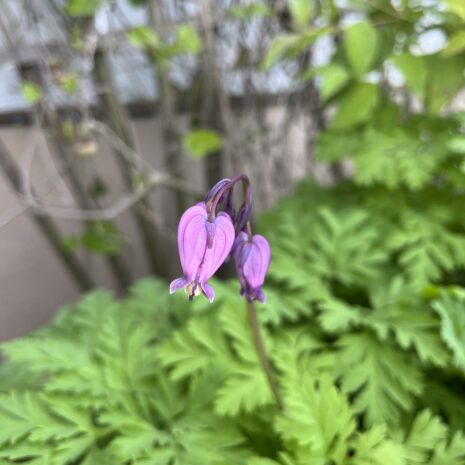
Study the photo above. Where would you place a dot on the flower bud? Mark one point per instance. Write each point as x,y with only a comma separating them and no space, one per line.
252,259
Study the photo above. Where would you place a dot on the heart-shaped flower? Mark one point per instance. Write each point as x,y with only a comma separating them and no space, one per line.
252,259
203,246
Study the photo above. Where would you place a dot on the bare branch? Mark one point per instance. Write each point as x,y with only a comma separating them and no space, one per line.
120,206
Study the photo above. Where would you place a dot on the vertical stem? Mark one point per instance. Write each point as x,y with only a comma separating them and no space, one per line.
261,351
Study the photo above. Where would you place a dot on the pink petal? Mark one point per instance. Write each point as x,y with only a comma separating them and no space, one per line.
221,246
208,291
256,264
177,284
192,239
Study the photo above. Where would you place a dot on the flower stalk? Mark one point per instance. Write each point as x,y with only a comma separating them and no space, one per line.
206,238
261,352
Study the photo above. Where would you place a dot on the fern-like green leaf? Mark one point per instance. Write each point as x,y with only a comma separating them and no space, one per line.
317,418
374,447
379,377
452,313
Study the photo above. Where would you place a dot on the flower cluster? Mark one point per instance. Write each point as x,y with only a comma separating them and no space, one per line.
206,238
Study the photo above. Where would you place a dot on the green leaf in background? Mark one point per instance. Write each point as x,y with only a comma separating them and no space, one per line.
381,378
31,92
426,248
457,144
187,41
102,237
143,37
67,129
82,8
70,243
345,247
361,46
356,105
69,83
249,11
455,45
434,78
414,70
261,461
98,188
457,7
279,48
452,313
289,46
334,77
445,80
301,11
396,158
202,142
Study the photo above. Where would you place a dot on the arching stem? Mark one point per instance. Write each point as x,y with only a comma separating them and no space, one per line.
261,351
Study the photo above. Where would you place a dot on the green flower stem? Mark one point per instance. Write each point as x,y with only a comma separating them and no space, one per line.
261,351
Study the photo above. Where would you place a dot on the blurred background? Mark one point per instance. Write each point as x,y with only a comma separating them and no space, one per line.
115,116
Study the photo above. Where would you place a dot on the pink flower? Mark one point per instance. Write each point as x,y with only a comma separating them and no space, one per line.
203,247
252,259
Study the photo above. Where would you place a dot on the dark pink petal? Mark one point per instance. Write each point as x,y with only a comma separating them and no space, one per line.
259,295
256,263
223,240
252,260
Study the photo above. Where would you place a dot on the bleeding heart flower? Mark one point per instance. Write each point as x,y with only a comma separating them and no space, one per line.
203,246
252,259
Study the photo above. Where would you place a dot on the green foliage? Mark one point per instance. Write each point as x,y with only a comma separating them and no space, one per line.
102,237
250,10
369,365
290,45
452,313
68,83
202,142
333,78
364,321
301,11
82,8
357,105
455,45
361,45
185,41
143,37
317,418
31,92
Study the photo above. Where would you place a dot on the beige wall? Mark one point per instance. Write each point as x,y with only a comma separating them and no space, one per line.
33,281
